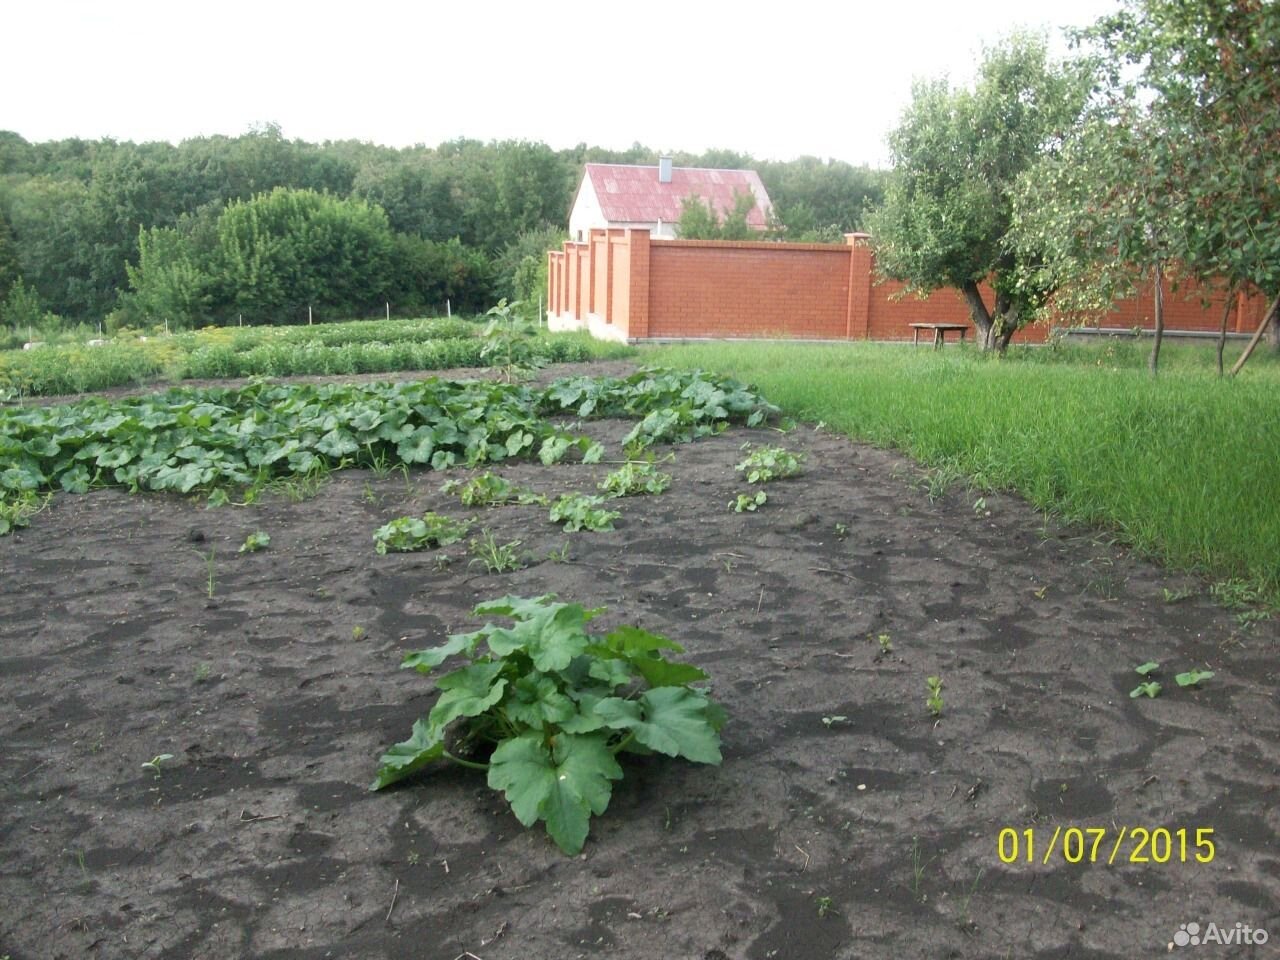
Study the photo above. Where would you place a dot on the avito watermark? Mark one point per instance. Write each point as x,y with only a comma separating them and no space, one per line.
1241,934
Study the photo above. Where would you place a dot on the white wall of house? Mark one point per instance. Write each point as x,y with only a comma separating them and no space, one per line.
586,213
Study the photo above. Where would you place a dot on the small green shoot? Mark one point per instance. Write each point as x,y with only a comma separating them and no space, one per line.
918,866
748,503
496,557
155,762
842,531
561,555
765,464
1192,678
934,700
829,722
1149,689
1177,596
203,671
258,540
824,906
886,644
358,633
210,582
1147,668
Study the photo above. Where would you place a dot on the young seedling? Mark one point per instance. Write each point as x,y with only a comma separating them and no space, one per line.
886,645
208,559
824,906
1192,678
918,866
496,557
358,633
934,700
748,503
831,721
842,531
1148,688
154,763
258,540
203,670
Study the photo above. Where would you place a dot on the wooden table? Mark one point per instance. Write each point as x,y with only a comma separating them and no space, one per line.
940,331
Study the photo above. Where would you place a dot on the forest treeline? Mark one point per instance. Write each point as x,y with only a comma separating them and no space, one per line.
262,227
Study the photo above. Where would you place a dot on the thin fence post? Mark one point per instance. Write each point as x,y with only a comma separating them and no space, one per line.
388,309
448,308
240,318
308,315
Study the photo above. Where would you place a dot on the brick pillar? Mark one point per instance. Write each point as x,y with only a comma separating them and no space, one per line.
553,284
608,276
573,277
591,270
858,317
638,327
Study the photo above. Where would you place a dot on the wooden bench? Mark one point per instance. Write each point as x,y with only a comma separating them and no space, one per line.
940,331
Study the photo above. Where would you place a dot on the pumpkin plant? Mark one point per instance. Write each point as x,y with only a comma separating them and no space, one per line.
546,708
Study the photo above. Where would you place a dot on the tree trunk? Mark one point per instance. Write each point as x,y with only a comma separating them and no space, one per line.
979,314
1153,364
1257,335
1222,330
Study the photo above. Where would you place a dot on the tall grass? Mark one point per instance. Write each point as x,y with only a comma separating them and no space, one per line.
1185,467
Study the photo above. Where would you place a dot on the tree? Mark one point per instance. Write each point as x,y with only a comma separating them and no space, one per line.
1211,72
1176,160
699,220
957,155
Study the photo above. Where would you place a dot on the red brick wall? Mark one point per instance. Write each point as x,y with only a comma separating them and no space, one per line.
742,289
692,288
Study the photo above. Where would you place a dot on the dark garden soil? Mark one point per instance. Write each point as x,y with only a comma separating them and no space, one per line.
845,821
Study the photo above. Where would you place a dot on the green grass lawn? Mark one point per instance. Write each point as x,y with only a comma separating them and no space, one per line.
1186,467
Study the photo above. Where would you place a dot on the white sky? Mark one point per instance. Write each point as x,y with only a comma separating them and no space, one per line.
776,80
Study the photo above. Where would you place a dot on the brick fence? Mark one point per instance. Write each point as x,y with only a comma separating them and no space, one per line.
623,285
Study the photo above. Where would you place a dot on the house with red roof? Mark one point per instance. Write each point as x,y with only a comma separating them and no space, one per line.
651,198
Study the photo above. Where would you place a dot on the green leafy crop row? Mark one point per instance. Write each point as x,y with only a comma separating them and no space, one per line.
219,439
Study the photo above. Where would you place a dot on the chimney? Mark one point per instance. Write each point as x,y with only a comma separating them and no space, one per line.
664,169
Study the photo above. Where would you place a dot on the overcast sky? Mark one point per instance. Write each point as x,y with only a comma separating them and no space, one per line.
778,80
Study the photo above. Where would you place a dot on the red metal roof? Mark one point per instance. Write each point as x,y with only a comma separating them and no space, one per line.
631,194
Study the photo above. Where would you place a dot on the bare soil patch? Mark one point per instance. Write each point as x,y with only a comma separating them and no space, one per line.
845,821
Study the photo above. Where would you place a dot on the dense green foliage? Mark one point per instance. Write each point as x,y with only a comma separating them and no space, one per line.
1184,468
216,227
545,708
1178,156
958,155
345,348
222,440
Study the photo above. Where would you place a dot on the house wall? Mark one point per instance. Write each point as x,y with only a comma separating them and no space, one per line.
622,284
586,214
